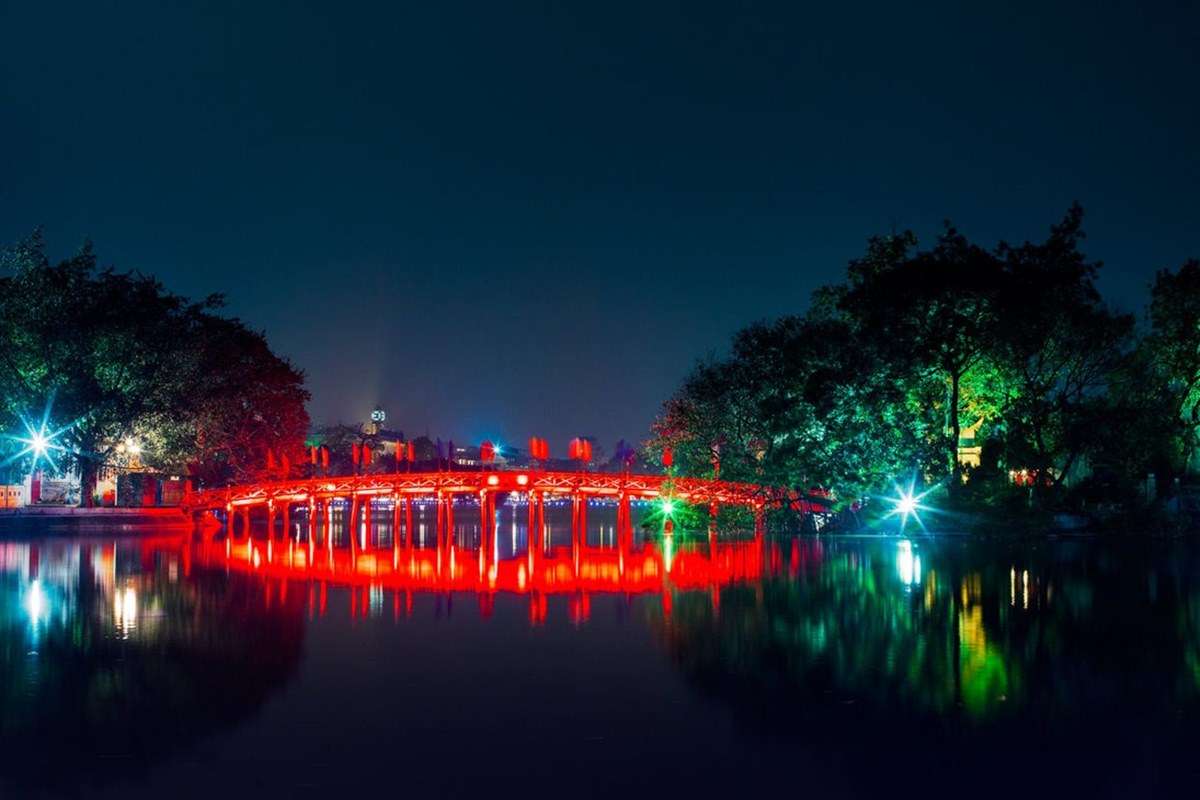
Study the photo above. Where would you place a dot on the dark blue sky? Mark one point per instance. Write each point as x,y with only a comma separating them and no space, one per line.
504,219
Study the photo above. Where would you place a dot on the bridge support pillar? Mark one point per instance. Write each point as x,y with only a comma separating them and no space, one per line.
575,504
541,521
409,532
312,519
270,520
439,519
533,544
287,519
485,526
328,513
486,517
364,527
395,521
246,521
624,519
531,525
583,508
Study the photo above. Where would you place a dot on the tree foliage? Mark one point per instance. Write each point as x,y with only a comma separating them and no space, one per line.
918,352
113,358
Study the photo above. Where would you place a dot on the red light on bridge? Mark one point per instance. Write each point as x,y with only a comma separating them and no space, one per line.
522,480
493,480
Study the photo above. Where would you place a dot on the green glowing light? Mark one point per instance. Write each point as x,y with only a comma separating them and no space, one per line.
668,508
907,503
38,442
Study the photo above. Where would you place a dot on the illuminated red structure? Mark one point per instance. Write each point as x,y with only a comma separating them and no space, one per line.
577,571
316,495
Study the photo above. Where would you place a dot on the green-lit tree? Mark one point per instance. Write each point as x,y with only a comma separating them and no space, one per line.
1061,348
115,357
916,350
1173,351
933,317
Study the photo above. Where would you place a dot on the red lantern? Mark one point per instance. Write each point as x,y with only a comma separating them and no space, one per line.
312,455
270,459
324,457
355,453
668,457
399,452
585,451
366,455
412,452
487,452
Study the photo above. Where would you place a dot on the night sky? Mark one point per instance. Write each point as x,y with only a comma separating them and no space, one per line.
502,219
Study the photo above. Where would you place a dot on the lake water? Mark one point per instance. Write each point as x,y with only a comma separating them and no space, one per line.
191,666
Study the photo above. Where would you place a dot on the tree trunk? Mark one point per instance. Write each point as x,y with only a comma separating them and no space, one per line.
955,431
87,483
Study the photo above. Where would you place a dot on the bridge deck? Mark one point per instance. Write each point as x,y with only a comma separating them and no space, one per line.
432,484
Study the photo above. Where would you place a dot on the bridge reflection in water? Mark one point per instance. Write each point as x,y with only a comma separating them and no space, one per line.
119,656
574,561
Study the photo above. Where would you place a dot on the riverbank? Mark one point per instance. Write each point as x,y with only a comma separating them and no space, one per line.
70,520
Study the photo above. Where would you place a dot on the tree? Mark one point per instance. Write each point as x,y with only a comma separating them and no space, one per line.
931,316
887,370
246,401
115,358
1173,350
1060,347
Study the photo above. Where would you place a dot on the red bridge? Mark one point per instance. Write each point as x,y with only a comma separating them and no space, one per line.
316,496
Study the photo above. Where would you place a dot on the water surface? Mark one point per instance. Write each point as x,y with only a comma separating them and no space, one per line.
192,666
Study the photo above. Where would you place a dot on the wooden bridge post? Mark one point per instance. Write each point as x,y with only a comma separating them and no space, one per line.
625,530
450,520
438,524
575,516
352,522
533,537
541,521
485,519
270,519
364,525
485,524
312,518
329,524
409,533
395,521
532,524
583,507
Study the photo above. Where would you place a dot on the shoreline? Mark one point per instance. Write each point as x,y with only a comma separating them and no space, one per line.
75,520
